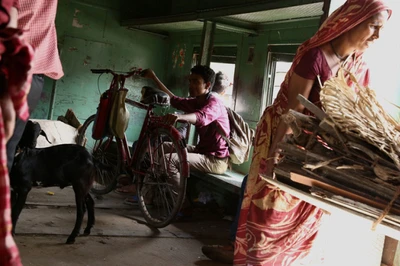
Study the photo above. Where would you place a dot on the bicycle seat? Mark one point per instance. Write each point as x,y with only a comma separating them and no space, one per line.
154,96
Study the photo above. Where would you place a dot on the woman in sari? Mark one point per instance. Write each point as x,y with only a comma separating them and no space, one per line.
276,228
15,62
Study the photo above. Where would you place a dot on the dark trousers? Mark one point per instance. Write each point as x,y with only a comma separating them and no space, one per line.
235,222
33,100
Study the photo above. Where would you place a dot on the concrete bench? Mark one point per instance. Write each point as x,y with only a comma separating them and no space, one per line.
223,189
230,180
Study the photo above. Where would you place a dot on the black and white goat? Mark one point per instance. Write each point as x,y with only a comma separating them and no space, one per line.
60,165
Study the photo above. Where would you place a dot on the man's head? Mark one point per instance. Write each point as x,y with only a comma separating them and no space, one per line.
221,83
201,79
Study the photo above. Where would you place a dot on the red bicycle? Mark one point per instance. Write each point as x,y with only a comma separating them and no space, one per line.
149,165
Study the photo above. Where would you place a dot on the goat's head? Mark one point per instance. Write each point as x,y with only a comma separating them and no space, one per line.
30,135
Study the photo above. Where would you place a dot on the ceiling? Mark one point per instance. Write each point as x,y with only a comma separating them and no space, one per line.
250,23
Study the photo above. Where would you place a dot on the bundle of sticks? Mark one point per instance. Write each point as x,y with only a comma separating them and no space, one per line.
348,153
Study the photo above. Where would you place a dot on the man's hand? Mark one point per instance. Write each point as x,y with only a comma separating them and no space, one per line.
170,119
148,73
8,113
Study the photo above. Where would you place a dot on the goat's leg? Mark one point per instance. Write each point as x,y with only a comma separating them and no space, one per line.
90,208
79,200
17,206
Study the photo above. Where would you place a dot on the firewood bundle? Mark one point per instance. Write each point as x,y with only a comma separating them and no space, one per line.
348,153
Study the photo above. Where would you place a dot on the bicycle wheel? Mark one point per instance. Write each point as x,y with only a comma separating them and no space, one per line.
105,151
160,196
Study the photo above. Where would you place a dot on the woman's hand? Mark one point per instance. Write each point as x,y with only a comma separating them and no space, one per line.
270,169
272,161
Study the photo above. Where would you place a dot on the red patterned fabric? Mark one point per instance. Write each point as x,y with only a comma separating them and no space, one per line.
37,19
15,63
276,228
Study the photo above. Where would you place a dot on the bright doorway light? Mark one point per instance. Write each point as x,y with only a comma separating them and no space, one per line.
280,72
383,60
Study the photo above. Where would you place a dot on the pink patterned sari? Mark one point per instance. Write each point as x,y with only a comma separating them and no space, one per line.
15,63
276,228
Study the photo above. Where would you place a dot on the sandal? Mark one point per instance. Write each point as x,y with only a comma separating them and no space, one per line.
133,201
127,190
219,253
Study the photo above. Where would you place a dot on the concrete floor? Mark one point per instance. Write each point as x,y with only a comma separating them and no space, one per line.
120,236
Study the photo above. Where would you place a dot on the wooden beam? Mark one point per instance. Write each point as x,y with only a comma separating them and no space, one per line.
207,42
390,248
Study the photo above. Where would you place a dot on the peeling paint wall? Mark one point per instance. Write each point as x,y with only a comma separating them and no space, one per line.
89,37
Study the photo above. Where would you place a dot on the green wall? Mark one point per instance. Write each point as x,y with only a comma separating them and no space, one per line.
90,36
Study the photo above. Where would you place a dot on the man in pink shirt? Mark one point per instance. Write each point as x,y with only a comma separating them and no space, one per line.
37,19
207,112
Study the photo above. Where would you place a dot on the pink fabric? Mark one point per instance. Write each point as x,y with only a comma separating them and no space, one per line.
276,228
37,19
15,64
5,8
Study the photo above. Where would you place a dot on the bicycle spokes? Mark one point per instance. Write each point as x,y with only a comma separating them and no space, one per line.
105,152
160,188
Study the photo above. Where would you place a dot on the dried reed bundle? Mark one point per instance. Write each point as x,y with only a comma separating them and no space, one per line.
358,113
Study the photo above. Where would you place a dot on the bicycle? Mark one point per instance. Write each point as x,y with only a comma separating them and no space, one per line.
148,166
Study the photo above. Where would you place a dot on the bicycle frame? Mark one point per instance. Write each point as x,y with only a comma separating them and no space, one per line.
158,165
151,121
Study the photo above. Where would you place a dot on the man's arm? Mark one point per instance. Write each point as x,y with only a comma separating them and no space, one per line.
171,119
148,73
190,118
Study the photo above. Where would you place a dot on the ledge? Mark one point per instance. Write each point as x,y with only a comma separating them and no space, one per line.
230,180
362,220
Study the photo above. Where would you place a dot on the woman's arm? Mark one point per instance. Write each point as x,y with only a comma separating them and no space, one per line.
297,85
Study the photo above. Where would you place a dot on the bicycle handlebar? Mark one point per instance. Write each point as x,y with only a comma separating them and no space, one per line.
136,71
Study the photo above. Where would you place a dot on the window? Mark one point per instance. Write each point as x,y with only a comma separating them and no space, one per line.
229,70
223,59
278,64
281,68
